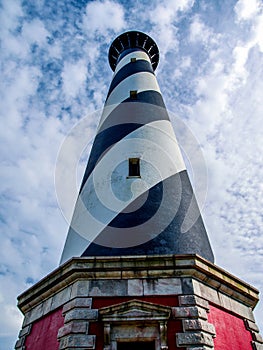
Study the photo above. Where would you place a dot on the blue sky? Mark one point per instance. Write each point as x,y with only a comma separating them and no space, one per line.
55,71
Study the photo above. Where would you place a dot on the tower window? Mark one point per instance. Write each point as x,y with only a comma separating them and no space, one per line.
133,59
134,167
133,94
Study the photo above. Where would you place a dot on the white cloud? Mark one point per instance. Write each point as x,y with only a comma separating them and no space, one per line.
247,9
164,17
200,32
102,16
74,76
34,32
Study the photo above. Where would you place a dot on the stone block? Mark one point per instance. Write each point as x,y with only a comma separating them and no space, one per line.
108,288
188,312
188,300
61,298
78,341
25,331
162,286
135,287
79,302
73,327
81,314
34,314
187,285
20,342
257,346
251,326
198,325
80,289
257,337
233,305
26,319
195,338
47,306
206,292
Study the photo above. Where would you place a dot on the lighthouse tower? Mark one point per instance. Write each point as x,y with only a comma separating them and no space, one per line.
137,269
135,197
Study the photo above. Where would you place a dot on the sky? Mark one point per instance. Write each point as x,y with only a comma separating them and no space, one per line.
55,72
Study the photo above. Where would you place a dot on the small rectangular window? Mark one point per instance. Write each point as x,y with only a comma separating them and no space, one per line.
134,167
133,59
133,94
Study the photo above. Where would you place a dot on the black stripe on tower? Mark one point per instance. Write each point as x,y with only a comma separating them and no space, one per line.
170,240
118,124
128,70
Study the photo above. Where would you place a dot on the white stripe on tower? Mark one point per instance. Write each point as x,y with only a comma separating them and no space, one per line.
135,194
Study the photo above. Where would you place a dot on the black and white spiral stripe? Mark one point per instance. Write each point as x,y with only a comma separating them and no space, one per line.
120,215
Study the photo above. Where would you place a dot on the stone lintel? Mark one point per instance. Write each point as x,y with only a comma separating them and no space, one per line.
91,269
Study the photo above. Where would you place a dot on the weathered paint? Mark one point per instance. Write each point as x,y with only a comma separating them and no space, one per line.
230,330
43,335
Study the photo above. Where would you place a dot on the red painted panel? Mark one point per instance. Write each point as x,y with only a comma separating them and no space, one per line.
230,330
43,335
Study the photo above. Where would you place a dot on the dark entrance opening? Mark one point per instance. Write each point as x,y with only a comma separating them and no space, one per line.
137,345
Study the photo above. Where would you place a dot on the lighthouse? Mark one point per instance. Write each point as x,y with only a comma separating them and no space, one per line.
137,270
135,197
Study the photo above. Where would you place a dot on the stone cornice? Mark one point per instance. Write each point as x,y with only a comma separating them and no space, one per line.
138,267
